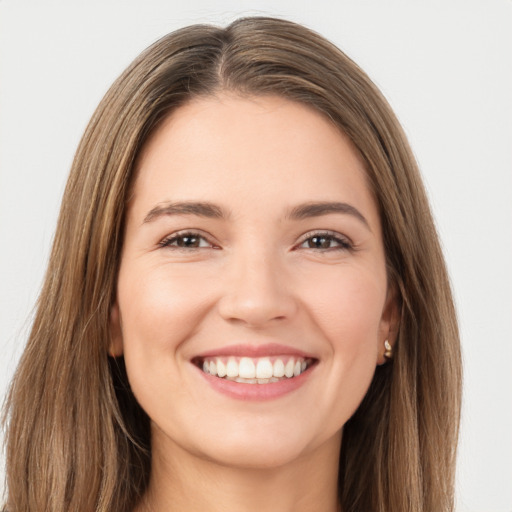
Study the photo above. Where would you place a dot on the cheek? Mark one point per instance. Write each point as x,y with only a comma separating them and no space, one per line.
347,307
347,312
158,311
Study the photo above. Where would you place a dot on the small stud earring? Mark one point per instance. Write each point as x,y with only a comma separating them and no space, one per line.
388,353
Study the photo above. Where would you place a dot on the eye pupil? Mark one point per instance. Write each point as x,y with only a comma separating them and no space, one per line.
188,241
319,242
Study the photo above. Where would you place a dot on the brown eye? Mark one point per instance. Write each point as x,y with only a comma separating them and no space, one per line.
185,241
188,241
319,242
325,241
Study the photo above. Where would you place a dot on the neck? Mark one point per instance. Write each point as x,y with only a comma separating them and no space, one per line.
182,481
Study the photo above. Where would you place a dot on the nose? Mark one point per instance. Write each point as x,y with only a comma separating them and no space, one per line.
256,291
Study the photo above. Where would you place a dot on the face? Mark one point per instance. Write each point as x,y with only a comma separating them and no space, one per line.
252,301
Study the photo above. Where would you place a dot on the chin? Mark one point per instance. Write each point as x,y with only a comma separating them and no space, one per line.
254,456
261,446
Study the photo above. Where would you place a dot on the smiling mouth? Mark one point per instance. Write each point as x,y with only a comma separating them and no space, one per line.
249,370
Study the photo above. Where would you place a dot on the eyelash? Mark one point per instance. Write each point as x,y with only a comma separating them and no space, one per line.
167,242
343,243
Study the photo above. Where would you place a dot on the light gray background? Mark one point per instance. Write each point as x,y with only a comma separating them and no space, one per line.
446,68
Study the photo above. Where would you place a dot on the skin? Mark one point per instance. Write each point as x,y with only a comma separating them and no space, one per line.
255,278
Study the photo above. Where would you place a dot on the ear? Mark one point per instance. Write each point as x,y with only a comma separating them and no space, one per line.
389,323
116,334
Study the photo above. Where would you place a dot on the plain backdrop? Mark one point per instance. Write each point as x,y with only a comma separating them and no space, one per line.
445,67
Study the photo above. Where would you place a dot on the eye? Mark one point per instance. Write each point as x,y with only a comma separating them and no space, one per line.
326,241
186,240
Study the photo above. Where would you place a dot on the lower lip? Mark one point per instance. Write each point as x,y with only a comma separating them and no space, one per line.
242,391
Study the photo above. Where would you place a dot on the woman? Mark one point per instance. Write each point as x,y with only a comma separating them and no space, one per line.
245,233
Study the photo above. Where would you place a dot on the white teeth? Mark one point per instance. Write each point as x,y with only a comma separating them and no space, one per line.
278,368
288,369
264,368
246,368
232,368
257,370
246,381
221,368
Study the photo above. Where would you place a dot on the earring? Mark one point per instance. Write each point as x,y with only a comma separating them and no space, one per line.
388,353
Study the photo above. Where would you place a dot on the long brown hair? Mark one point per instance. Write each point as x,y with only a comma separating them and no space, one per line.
76,438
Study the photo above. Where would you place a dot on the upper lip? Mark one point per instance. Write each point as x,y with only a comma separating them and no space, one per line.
255,351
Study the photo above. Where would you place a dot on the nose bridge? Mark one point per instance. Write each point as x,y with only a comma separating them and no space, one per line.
255,290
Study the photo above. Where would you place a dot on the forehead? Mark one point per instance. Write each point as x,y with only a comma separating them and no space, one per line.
258,152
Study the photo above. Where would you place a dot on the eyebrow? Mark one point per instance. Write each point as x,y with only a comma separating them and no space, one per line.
213,211
200,209
317,209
